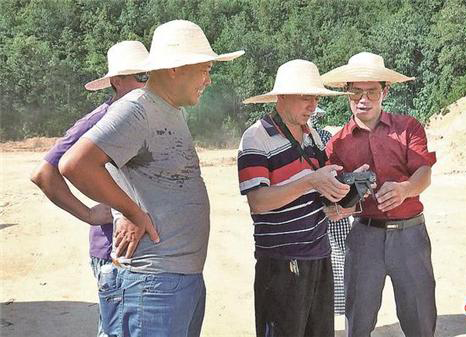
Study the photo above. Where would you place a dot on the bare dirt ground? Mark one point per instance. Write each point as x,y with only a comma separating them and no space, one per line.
47,289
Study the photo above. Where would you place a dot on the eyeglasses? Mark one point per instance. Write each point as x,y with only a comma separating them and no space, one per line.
372,94
141,77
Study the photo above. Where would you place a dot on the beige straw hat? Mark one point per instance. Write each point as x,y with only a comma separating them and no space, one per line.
296,77
363,67
178,43
123,58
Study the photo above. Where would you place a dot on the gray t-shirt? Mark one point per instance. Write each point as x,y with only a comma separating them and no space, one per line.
150,143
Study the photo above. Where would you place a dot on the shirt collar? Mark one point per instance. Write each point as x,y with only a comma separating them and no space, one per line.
273,130
269,126
384,119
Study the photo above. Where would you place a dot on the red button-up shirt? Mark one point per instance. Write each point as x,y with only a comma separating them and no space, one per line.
394,150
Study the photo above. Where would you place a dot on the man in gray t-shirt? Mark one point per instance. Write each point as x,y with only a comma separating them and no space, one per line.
162,220
149,141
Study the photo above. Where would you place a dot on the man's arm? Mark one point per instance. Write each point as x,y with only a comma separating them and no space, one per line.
264,199
84,166
51,182
392,194
419,162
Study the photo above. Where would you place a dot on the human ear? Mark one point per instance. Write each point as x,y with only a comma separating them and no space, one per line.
385,92
116,81
172,72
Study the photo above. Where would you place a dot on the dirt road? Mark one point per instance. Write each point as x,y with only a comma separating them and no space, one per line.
47,289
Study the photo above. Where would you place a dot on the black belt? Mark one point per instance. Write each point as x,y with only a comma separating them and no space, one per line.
393,224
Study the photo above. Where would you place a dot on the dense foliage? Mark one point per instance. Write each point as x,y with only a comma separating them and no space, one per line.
50,48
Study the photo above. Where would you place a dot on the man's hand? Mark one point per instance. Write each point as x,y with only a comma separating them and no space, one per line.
336,212
100,214
128,234
390,195
362,168
323,180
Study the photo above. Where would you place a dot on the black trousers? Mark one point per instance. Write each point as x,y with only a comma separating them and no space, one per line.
294,298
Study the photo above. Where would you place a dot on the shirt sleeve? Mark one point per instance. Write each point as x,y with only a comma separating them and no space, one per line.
418,154
72,135
253,166
122,132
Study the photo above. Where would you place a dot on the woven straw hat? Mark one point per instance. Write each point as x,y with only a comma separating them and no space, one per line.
296,77
123,58
363,67
178,43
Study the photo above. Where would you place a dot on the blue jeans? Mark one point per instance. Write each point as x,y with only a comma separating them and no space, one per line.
96,264
137,304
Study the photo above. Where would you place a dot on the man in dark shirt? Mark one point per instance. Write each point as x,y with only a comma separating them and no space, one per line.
281,170
389,237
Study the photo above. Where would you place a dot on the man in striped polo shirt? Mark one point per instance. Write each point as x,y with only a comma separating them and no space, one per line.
281,170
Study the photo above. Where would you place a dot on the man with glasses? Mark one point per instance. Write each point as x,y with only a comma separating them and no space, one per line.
389,237
123,59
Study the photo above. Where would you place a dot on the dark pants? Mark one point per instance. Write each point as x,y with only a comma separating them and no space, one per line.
294,301
404,255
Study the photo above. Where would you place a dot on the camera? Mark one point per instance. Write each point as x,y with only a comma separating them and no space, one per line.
359,182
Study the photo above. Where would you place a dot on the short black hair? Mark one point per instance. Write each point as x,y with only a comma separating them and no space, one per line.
141,77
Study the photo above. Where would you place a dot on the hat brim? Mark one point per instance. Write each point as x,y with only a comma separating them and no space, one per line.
340,76
271,97
104,82
157,62
98,84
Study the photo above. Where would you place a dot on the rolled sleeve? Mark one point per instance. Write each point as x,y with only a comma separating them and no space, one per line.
418,153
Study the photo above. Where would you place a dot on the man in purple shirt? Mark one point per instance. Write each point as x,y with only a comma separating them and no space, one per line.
123,61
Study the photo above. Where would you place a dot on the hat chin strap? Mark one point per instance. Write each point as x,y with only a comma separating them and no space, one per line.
319,154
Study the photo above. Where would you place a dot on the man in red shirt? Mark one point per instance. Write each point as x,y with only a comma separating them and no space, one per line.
389,236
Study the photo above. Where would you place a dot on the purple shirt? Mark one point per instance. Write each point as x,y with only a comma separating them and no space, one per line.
100,237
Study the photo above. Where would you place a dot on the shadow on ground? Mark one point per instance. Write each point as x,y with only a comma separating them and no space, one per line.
48,319
79,319
447,326
6,225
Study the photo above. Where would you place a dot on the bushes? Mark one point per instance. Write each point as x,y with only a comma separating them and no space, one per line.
50,48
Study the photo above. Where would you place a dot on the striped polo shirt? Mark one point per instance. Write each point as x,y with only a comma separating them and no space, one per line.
297,230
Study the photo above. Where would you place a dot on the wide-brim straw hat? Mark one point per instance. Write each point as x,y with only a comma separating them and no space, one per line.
178,43
363,67
123,58
296,77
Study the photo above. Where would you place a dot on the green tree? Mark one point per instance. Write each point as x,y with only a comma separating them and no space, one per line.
50,48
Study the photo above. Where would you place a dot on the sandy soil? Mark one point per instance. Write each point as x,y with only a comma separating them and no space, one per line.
47,289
